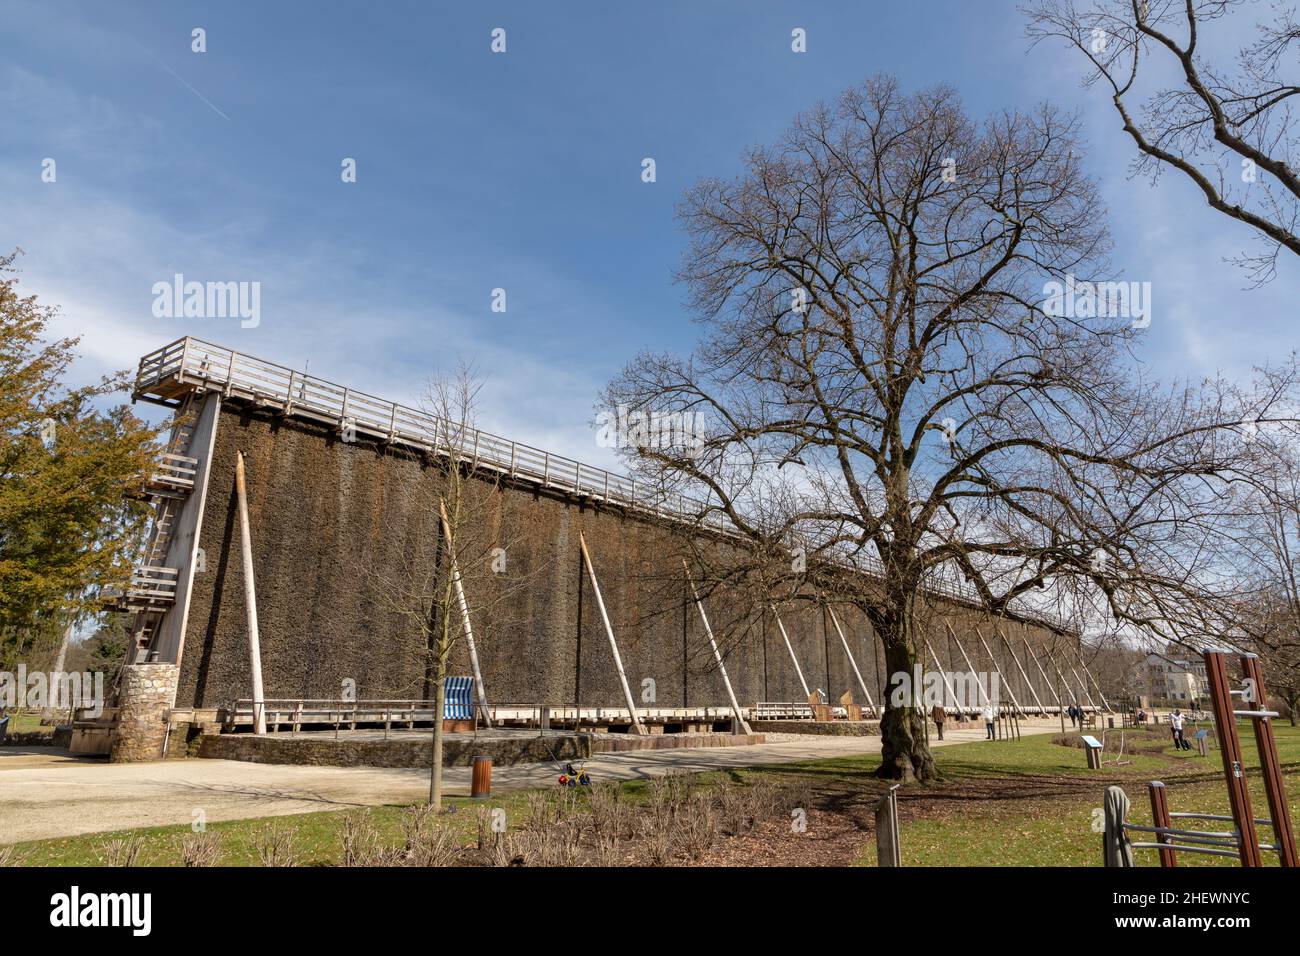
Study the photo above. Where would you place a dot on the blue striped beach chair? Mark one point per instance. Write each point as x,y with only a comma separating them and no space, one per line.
459,704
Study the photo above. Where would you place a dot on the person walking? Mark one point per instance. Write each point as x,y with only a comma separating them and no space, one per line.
938,716
989,715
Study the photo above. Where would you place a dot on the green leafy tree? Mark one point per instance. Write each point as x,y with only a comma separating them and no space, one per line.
68,465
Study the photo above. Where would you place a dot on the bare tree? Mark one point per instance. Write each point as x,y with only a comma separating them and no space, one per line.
453,581
1227,125
891,384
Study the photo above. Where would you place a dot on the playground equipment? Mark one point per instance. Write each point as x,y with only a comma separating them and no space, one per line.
1243,841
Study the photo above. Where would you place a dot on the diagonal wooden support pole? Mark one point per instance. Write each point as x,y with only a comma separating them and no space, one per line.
944,675
250,599
1002,677
854,664
1088,674
969,666
1046,680
790,647
463,606
717,655
1082,686
609,631
997,629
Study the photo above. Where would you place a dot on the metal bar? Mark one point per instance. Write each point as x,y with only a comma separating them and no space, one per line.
1163,848
1216,671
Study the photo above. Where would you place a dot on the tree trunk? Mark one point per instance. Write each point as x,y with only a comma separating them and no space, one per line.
904,754
435,767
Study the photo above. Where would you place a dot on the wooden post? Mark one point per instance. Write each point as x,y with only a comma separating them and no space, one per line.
1234,772
609,631
852,663
1270,768
717,655
250,598
888,850
463,605
789,647
1160,818
1055,693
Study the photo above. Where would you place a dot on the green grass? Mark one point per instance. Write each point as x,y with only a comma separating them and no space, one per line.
25,723
1059,831
1003,803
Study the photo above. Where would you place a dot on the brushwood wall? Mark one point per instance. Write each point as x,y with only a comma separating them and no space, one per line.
338,527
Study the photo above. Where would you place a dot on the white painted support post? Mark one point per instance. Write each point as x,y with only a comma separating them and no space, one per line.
852,663
1084,687
979,684
250,598
464,613
1034,657
717,655
790,647
609,630
947,686
1088,674
1002,677
1028,683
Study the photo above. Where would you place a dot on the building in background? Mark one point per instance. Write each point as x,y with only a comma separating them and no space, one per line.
1176,682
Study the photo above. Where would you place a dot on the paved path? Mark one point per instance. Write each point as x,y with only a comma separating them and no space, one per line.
45,794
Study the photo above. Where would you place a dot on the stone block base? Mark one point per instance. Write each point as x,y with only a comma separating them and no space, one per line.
146,694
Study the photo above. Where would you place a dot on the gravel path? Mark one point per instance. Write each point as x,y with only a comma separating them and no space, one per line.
44,794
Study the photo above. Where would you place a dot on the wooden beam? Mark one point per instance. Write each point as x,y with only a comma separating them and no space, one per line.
1002,677
250,598
852,663
997,629
609,631
463,605
789,647
978,683
717,655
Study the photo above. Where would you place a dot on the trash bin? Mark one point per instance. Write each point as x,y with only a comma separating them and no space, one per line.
480,787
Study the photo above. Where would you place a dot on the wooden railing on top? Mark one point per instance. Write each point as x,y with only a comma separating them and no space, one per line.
196,363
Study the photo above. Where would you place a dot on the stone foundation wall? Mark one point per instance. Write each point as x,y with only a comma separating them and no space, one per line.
145,696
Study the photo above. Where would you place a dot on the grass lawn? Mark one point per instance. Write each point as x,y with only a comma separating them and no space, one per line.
1003,803
1037,830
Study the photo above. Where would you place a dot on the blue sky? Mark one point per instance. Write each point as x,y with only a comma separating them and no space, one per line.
479,170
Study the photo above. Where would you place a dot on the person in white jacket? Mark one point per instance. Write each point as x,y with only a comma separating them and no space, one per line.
989,715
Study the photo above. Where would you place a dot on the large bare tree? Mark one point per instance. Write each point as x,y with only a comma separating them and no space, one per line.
891,383
1223,121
